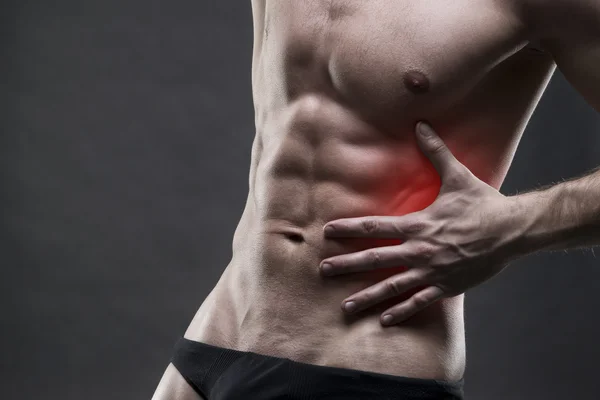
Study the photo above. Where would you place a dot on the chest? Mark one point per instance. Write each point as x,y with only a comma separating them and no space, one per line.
384,55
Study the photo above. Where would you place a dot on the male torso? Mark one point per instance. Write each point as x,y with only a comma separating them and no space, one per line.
338,87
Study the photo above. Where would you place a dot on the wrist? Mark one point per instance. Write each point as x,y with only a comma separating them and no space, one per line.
527,236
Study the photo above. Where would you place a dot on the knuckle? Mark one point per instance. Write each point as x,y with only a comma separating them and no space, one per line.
420,300
374,258
424,252
437,146
370,225
414,226
393,287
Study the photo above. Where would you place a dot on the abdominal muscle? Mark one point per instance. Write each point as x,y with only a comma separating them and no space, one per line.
335,121
324,164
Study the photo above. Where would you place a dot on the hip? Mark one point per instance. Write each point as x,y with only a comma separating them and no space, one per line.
253,310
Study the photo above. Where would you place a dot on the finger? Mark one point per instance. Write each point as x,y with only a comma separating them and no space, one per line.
386,227
391,287
413,305
368,260
438,153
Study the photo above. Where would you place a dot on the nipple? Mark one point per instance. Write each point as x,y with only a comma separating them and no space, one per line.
416,81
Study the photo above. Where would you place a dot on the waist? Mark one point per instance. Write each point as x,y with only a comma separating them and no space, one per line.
250,310
279,304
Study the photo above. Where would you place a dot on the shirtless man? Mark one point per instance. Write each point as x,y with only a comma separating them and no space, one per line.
340,89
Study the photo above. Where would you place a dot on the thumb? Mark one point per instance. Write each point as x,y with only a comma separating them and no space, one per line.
436,150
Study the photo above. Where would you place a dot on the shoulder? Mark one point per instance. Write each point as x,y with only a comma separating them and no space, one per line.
555,18
570,31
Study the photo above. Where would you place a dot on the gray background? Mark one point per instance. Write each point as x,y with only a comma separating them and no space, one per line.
124,154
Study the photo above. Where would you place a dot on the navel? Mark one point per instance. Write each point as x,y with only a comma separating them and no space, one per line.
416,81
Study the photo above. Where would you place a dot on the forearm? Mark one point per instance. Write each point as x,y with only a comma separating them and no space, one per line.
566,215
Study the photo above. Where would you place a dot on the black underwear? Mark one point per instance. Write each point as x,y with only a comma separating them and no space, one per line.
218,373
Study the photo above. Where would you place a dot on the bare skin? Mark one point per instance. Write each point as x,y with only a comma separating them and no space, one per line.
338,89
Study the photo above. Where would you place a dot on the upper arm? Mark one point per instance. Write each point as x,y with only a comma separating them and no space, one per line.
570,31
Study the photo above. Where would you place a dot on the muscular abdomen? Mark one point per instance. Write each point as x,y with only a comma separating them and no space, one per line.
337,93
324,163
321,161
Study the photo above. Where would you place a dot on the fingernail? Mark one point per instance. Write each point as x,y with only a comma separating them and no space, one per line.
350,306
424,129
387,319
328,229
326,269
